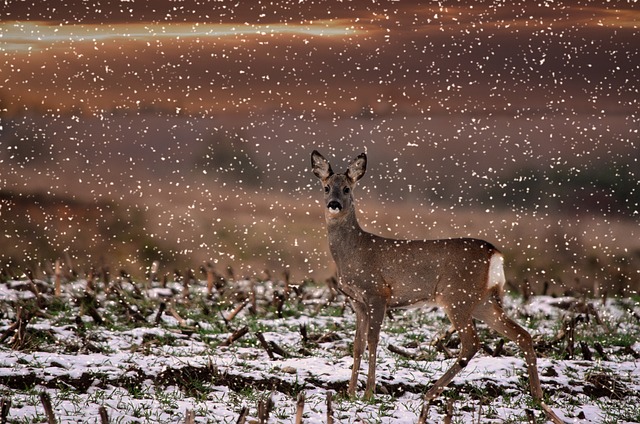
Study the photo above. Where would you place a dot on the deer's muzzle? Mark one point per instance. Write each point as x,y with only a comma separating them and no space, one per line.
334,206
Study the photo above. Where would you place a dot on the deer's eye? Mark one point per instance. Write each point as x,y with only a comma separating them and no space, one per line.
326,189
346,190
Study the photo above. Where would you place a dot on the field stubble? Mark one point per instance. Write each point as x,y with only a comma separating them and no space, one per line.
221,348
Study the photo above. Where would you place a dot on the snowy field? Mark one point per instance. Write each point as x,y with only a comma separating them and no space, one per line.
153,355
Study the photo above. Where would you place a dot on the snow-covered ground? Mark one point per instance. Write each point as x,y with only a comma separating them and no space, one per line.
157,370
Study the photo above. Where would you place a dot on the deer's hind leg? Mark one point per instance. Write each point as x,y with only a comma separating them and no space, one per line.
493,315
469,345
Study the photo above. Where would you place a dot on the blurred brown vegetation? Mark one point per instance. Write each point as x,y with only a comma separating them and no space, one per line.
124,191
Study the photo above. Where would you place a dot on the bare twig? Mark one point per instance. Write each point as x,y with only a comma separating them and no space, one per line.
487,349
630,351
231,275
188,277
243,415
161,309
275,348
90,275
135,314
235,336
586,352
41,301
72,272
329,407
278,301
104,417
208,269
12,328
58,278
81,330
402,352
237,310
449,414
264,409
18,329
254,300
567,332
45,399
190,417
5,405
300,408
181,321
531,418
265,345
440,346
526,290
424,413
106,278
303,333
598,347
550,414
498,351
286,274
332,283
88,302
153,273
227,324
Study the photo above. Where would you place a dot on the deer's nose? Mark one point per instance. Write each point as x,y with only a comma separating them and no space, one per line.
334,206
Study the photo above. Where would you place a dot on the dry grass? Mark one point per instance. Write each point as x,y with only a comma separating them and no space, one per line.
253,231
163,207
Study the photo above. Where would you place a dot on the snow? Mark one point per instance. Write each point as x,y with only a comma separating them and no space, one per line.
181,134
130,375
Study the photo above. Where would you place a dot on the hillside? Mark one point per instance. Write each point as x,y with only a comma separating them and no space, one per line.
558,194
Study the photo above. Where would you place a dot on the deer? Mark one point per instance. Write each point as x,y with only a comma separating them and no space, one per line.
463,276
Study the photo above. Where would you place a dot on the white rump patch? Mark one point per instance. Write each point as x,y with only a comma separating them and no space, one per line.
496,271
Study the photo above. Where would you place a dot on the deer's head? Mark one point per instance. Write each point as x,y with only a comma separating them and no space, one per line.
338,187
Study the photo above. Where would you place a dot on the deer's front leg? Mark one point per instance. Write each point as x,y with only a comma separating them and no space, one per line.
376,311
362,323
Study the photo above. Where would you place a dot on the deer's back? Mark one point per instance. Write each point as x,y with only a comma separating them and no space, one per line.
410,272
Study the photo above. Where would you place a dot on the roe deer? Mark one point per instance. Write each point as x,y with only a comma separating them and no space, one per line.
464,276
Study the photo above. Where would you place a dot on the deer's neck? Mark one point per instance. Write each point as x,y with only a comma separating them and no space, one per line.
344,234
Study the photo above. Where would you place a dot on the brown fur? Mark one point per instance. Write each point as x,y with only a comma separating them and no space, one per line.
377,273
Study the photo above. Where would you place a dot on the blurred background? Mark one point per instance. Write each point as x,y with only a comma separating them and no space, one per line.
181,132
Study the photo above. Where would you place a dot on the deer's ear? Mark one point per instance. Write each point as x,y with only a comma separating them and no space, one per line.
357,168
320,166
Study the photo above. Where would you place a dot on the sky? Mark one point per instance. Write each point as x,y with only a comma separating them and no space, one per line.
97,100
328,57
